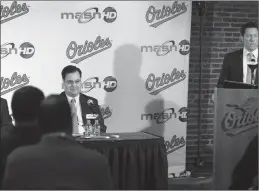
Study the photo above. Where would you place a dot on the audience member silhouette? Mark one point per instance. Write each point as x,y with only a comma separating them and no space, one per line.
5,118
245,174
25,106
57,161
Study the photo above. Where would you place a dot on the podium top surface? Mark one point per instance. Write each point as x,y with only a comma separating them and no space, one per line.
237,85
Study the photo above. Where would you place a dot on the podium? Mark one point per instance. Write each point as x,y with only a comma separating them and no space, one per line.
235,125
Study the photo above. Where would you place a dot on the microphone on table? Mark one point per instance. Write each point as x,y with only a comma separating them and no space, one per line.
93,118
91,104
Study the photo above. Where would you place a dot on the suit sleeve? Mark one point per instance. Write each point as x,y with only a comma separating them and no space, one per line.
101,120
6,119
224,74
247,167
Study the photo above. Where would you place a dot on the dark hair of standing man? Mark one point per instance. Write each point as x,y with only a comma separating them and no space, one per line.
246,26
26,103
55,115
70,69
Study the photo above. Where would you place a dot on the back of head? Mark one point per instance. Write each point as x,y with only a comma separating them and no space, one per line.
55,115
26,103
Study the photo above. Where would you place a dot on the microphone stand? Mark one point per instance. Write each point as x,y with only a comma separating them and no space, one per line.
90,106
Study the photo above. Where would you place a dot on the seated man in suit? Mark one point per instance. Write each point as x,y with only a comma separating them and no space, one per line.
58,161
79,102
25,105
5,118
235,64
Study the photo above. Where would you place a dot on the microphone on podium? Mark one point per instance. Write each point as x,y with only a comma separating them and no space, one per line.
252,64
252,67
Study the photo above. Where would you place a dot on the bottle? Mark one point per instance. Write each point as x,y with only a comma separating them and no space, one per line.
88,128
92,128
97,129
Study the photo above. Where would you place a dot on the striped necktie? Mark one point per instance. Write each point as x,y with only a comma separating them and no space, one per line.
74,116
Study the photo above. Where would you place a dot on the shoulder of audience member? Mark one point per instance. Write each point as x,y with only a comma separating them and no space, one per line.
21,153
6,133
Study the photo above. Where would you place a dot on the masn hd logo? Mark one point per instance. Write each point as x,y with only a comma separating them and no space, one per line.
109,84
167,114
169,46
109,15
26,50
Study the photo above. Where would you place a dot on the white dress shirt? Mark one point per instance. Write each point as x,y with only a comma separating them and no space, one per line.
245,52
81,129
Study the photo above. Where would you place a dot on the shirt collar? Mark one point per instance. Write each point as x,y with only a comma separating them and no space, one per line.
255,52
70,98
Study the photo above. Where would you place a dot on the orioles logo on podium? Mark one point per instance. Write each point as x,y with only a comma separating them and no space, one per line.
243,117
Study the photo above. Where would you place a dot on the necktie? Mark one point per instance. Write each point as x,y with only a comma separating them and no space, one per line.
74,116
251,77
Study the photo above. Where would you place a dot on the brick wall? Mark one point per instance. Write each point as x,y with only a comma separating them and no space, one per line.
222,23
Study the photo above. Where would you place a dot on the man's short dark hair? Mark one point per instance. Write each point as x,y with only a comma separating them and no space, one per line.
26,103
55,115
70,69
246,26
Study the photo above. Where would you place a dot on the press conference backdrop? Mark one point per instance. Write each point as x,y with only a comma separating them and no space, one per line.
134,57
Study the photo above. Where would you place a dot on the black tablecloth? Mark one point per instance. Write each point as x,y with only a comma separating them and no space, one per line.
137,160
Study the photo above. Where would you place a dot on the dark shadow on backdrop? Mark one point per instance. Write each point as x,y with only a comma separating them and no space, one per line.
155,106
131,92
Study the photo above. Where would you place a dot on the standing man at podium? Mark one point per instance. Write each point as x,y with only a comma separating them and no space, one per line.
80,104
236,64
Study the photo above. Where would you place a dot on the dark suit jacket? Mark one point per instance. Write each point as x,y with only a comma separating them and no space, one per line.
57,163
5,118
247,168
87,110
14,137
232,68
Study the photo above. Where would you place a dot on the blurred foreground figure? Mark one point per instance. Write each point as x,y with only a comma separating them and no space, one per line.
5,118
245,175
57,161
25,105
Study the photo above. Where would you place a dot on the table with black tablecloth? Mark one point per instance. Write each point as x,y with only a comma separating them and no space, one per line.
137,160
